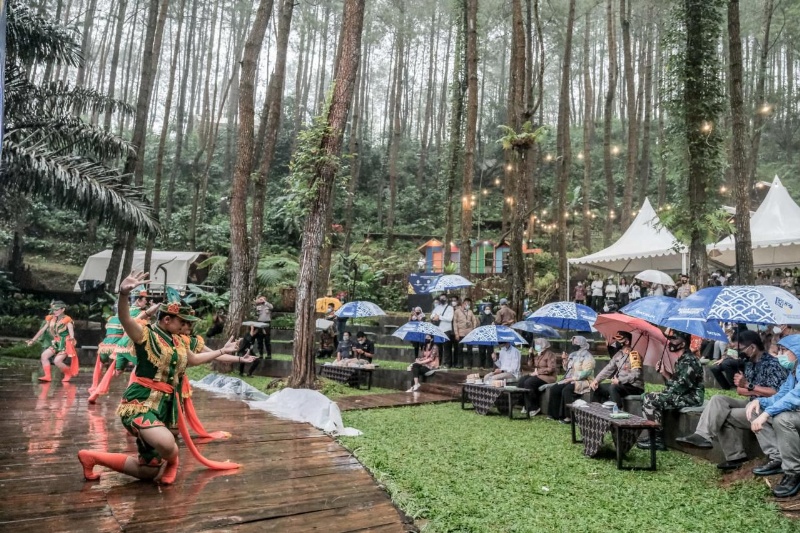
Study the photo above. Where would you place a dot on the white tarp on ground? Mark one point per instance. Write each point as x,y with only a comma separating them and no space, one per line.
300,405
176,265
644,246
774,232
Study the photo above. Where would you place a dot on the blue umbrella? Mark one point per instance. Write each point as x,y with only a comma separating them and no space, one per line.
536,329
448,281
416,331
661,310
492,336
565,315
359,309
760,304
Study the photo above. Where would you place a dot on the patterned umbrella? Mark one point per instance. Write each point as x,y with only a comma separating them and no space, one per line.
655,276
760,304
536,329
359,309
492,336
660,310
565,315
415,331
447,282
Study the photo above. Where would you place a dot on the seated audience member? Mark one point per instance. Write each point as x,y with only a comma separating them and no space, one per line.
326,344
625,372
422,365
544,372
726,367
684,387
507,363
724,417
781,414
345,348
364,348
580,369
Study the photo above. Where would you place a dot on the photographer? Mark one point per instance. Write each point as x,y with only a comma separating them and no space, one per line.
262,337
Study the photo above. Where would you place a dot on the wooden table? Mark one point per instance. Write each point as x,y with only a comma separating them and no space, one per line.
351,375
595,421
484,397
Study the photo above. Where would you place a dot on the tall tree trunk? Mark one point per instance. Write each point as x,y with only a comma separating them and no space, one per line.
397,128
471,28
356,137
744,251
125,240
644,162
303,367
588,137
565,155
162,141
241,252
86,42
762,109
608,117
456,147
633,123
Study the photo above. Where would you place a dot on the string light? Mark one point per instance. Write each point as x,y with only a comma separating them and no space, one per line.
615,150
485,192
723,189
707,127
548,158
509,167
580,155
497,181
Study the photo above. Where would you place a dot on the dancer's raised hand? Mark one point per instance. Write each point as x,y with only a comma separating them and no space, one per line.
134,279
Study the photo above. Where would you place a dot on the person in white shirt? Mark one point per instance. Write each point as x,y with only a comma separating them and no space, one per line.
636,291
624,292
597,293
507,364
658,290
611,289
442,317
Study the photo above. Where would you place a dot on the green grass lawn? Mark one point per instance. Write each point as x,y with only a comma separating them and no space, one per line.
455,470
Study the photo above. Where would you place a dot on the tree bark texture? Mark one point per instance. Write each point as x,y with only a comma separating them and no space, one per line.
471,27
608,118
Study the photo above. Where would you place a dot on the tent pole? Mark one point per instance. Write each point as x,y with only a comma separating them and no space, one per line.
568,291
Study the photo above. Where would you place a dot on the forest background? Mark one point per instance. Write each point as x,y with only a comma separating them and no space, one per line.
589,93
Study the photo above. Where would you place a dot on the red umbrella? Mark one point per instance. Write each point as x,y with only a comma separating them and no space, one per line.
647,339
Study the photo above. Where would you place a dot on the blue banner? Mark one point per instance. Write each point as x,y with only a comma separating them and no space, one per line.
419,283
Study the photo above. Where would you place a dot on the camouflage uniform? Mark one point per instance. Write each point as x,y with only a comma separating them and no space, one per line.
685,389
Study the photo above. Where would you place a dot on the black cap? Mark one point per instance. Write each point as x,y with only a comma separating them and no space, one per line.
360,334
685,337
624,334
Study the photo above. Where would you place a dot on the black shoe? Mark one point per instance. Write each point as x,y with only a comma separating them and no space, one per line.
768,469
658,442
734,464
789,486
695,440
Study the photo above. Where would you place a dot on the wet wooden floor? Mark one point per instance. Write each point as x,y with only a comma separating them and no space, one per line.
293,478
391,399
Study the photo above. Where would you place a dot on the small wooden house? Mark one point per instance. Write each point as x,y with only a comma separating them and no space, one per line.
433,255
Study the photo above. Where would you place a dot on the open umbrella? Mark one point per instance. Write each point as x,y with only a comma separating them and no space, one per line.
449,281
321,305
255,324
565,315
660,310
655,276
323,324
537,329
492,336
646,338
415,331
359,309
760,304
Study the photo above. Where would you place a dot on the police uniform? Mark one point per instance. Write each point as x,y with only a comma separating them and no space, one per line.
626,367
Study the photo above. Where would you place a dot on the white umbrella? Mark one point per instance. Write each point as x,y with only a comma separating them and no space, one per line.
449,281
655,276
323,324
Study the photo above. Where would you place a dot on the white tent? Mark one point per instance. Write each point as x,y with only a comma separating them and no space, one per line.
774,232
645,245
172,268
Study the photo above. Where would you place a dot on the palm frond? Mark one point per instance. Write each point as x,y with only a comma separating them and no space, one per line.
75,182
70,135
33,38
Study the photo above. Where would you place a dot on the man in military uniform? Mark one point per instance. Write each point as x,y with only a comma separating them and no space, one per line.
684,387
625,372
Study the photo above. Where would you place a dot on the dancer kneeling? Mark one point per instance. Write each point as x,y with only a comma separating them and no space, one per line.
151,408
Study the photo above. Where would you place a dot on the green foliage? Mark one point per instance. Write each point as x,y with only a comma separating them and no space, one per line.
206,302
283,321
48,150
21,351
712,225
20,325
277,271
523,140
459,471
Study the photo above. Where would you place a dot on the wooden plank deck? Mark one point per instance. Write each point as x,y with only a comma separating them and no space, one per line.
392,399
294,477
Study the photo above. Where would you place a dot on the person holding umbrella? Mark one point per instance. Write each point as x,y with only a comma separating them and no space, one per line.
464,321
579,366
486,319
684,387
781,412
422,366
544,372
625,372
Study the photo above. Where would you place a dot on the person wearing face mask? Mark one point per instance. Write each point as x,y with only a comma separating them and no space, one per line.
781,413
724,418
625,372
580,367
424,365
345,348
684,387
464,322
485,352
507,364
544,372
416,316
442,316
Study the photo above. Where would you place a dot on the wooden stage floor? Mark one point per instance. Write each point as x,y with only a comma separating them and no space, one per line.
293,476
